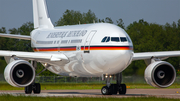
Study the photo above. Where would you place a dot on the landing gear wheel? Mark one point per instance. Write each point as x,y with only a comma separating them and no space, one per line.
36,88
105,90
28,89
122,89
113,89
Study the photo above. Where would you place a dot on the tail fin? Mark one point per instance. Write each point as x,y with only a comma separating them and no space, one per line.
41,17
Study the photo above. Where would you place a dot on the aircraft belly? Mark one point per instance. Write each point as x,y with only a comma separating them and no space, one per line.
94,63
107,62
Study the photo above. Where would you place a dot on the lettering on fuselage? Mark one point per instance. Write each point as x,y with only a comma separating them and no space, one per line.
57,34
78,33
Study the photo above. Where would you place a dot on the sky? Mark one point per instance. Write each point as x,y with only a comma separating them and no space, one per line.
14,13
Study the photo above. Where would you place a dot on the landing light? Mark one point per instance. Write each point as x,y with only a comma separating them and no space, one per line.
45,64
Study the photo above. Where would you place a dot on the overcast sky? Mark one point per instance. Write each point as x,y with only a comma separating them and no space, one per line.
13,13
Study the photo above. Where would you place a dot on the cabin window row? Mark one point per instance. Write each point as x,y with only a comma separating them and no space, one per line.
60,42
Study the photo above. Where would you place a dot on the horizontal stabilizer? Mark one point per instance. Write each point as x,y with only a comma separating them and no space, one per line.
24,37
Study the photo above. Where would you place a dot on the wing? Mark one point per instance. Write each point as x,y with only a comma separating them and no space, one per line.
25,37
150,55
40,57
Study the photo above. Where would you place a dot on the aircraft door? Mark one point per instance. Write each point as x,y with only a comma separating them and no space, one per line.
59,45
88,41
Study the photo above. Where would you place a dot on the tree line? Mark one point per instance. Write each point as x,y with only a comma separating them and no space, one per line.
146,37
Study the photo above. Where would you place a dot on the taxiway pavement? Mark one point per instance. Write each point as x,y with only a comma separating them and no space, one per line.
164,93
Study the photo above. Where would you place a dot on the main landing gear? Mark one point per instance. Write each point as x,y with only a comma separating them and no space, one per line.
110,89
36,88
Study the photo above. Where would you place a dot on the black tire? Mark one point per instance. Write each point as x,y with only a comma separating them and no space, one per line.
113,89
122,89
105,90
36,88
28,89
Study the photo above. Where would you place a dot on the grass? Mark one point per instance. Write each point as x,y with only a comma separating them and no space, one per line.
29,98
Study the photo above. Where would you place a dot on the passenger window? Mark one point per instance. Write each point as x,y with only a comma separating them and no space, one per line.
123,39
116,39
104,39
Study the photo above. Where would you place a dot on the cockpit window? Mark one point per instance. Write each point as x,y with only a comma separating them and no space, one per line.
104,39
108,39
115,39
123,39
128,39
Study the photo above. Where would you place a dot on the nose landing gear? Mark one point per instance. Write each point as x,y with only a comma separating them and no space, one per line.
110,89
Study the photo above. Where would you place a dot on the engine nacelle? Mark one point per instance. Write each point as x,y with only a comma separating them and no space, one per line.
19,73
160,74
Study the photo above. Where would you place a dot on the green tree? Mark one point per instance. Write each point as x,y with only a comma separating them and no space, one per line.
149,37
101,21
3,46
106,20
71,17
89,17
120,23
18,44
3,40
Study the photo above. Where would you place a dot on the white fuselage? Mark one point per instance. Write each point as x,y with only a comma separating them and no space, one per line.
92,49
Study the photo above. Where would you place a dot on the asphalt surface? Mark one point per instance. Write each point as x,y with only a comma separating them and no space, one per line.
163,93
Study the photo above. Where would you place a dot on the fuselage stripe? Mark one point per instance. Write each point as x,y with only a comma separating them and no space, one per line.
106,48
73,48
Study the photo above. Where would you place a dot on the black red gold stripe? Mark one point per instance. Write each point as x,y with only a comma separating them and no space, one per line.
45,49
73,48
107,48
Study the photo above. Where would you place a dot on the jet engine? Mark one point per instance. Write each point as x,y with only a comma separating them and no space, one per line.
160,74
19,73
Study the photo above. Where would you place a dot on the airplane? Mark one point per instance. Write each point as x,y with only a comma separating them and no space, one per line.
85,50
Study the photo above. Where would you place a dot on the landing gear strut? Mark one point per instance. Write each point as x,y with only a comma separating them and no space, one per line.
110,89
